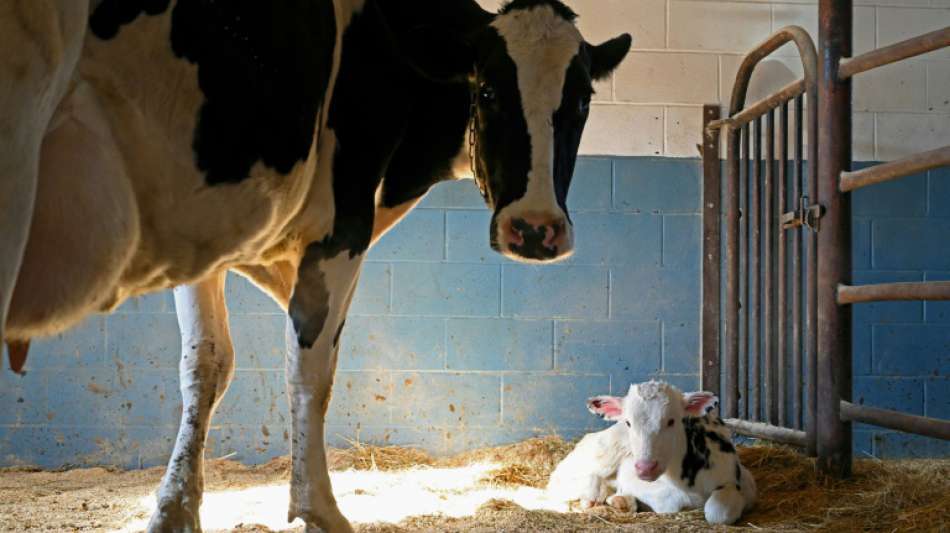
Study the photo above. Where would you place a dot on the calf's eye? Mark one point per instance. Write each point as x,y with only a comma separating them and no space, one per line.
670,422
627,422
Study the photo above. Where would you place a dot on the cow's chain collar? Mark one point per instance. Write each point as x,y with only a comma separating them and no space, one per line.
473,144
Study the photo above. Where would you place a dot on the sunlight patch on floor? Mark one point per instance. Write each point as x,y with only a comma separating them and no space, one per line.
366,497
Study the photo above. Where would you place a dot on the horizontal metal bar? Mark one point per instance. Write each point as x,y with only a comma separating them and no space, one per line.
760,430
896,52
806,51
895,169
885,292
918,425
763,106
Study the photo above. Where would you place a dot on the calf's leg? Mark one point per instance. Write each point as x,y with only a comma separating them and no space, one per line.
206,369
724,505
326,281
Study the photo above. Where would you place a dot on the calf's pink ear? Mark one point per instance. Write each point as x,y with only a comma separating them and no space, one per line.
606,407
699,403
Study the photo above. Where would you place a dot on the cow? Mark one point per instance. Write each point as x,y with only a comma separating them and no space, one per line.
679,453
149,144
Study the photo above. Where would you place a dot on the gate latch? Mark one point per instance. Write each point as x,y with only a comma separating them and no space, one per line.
806,215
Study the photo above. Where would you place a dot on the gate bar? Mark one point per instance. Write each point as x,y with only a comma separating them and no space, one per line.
712,254
918,425
834,239
890,292
895,52
895,169
770,413
754,401
768,432
744,272
798,374
730,379
781,298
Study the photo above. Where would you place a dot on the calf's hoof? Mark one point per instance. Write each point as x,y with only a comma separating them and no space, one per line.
724,507
174,517
620,503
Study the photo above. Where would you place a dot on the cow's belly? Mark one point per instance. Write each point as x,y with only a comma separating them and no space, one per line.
124,210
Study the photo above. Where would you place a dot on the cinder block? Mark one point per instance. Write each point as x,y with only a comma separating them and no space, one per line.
896,87
888,445
83,346
144,340
724,26
149,398
667,78
683,130
372,294
86,397
467,233
249,444
617,239
657,185
682,241
499,344
911,350
155,445
23,397
446,399
361,398
910,244
938,85
387,343
259,341
681,347
862,444
607,347
604,19
937,398
431,440
623,130
454,194
654,294
861,244
861,348
547,402
940,192
896,24
418,237
905,134
590,186
255,398
906,197
156,302
445,289
886,312
938,312
905,395
555,291
244,298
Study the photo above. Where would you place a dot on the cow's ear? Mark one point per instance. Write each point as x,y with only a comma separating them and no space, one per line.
606,407
438,54
605,57
699,403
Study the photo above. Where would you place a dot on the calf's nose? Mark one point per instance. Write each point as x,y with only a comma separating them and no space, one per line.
647,469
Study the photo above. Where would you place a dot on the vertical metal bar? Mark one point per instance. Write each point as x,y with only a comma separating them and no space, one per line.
730,400
781,299
834,239
710,368
770,413
755,311
744,273
811,335
797,374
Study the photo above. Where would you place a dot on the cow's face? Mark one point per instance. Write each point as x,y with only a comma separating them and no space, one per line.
653,414
532,87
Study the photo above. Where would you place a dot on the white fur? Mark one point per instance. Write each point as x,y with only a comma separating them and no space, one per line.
586,473
541,43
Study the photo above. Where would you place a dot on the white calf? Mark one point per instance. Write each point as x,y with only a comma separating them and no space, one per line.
589,472
680,453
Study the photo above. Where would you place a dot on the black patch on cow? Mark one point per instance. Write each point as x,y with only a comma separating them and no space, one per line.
569,122
562,10
697,453
264,69
109,16
738,473
310,303
724,444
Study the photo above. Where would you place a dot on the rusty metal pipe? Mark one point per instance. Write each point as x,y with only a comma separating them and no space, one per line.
889,292
916,46
763,106
768,274
895,169
754,400
918,425
744,273
768,432
781,298
806,51
712,255
730,382
798,375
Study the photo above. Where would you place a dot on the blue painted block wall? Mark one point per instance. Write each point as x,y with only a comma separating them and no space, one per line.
450,346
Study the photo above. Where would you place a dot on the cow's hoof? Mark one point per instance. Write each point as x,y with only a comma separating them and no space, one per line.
620,503
174,517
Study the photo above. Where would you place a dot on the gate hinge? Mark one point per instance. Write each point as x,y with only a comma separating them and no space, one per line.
806,215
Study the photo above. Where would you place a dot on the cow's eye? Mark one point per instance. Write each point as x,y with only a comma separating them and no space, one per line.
627,422
670,422
486,93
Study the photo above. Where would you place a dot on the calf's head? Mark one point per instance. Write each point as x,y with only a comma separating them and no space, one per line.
653,414
531,75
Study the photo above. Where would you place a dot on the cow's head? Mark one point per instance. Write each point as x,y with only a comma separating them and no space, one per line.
653,413
531,76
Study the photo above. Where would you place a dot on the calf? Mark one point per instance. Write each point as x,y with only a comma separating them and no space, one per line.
680,454
588,474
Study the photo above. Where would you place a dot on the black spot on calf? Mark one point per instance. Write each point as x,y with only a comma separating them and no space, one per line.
109,16
697,453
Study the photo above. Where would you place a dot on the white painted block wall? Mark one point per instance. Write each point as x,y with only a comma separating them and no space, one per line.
686,53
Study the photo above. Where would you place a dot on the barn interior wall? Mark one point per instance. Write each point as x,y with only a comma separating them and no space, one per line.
449,346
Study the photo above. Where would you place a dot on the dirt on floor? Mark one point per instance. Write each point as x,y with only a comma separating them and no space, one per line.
389,490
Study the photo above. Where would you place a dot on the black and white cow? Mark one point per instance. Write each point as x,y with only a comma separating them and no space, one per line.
146,144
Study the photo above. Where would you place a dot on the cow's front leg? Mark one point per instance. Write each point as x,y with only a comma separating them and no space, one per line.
206,369
326,280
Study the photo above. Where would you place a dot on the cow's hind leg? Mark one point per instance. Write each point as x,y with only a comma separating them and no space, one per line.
206,369
317,312
41,41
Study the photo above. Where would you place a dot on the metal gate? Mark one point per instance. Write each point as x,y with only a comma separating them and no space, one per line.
776,325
